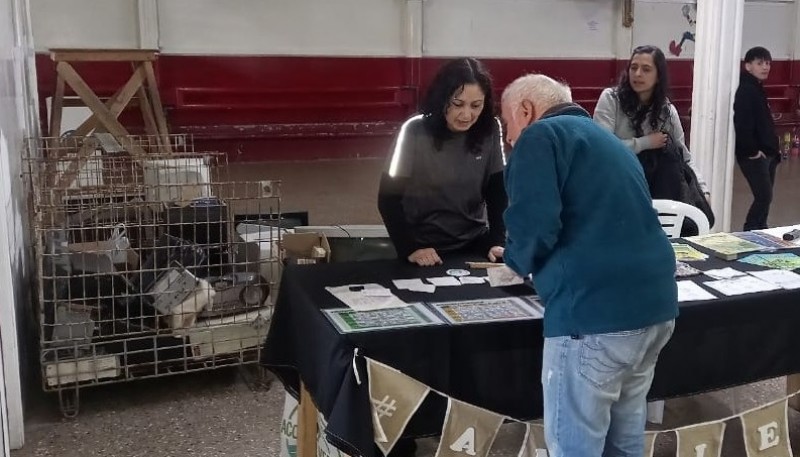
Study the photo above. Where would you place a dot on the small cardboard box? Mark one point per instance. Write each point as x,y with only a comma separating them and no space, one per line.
298,248
305,248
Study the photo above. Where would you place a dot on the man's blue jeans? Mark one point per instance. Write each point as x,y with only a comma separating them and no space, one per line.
595,391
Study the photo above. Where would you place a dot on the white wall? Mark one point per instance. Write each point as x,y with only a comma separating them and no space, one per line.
281,27
483,28
85,23
5,450
768,24
5,443
16,112
520,28
310,27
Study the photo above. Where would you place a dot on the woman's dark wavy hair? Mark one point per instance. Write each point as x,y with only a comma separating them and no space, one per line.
450,79
629,100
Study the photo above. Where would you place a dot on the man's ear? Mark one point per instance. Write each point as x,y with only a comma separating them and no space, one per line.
528,111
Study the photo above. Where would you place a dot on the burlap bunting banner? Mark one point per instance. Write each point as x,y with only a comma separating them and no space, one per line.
468,430
533,445
395,398
704,440
766,431
650,443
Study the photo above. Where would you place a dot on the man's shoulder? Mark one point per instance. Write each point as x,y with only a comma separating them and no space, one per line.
570,123
572,118
747,90
564,130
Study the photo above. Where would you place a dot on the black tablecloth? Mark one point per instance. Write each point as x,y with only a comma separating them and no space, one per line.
497,366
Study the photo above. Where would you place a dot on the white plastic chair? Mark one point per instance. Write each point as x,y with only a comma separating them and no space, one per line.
671,214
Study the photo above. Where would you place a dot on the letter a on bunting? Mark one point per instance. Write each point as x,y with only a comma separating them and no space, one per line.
766,431
468,431
395,398
703,440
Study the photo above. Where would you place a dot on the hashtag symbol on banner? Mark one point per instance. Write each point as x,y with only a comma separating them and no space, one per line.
384,407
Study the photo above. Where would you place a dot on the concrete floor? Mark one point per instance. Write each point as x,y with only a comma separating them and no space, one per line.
221,414
217,413
225,413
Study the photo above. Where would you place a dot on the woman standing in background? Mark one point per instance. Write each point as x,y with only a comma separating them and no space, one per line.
638,110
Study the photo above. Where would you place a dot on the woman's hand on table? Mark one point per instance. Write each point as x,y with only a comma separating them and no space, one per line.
425,257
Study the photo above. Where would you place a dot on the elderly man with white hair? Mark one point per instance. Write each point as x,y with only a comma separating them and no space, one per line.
580,220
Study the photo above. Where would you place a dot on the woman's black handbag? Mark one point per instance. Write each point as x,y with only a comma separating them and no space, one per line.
692,193
669,177
663,170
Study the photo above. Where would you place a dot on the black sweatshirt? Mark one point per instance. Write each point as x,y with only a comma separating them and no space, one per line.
752,120
444,199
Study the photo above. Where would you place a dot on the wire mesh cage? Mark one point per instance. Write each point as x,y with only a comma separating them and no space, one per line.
149,263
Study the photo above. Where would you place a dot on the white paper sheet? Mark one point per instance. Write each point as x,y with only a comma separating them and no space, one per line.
444,281
779,231
378,292
724,273
741,285
783,278
690,291
359,298
471,280
429,288
414,285
503,276
407,283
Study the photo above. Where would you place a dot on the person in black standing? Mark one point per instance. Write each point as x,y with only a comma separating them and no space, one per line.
757,151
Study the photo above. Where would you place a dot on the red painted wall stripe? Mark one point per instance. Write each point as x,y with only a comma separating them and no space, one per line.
287,108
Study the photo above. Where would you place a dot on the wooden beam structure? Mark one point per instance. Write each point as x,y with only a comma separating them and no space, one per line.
140,90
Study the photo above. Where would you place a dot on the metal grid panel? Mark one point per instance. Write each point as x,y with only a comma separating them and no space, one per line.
148,265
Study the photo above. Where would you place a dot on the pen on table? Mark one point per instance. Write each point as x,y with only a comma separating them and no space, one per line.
791,236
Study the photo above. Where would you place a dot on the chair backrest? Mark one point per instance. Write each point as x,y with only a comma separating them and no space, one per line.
671,214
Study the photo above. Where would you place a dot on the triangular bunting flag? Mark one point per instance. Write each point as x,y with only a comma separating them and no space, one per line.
766,431
395,398
650,443
533,445
468,430
701,441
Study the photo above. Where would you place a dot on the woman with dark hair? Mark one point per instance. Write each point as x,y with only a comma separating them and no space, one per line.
638,110
442,190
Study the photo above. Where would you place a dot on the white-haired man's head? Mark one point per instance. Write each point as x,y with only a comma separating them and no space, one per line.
527,98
